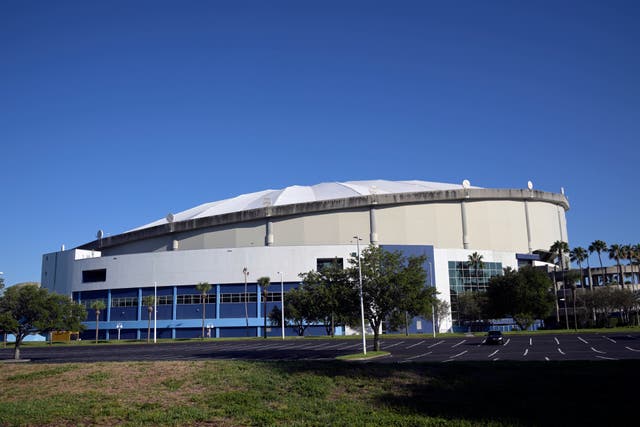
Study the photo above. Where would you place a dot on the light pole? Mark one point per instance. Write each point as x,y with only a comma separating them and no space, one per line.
119,328
364,340
155,310
281,303
433,306
245,271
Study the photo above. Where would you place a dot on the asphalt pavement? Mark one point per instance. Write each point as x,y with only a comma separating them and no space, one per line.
538,347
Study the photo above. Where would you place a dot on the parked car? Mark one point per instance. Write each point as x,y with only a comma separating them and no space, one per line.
494,337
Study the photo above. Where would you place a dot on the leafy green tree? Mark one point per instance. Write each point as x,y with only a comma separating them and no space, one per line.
299,310
150,302
617,252
264,283
29,309
386,278
203,288
523,295
471,306
98,305
599,246
476,262
335,301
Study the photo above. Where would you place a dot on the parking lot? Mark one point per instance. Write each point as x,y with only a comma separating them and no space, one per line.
548,347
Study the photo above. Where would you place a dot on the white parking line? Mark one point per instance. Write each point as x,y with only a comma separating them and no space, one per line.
557,342
459,354
393,345
631,349
546,358
413,345
530,341
583,340
526,350
560,351
606,358
496,359
598,351
438,343
612,340
507,342
492,354
455,345
420,355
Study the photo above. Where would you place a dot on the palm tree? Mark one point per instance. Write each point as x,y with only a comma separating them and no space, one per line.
475,261
560,248
150,302
636,257
629,254
203,288
578,255
98,305
599,246
264,283
616,252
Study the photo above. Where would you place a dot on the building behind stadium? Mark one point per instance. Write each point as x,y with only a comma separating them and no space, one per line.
282,233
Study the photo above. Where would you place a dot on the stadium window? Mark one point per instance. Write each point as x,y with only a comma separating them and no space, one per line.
89,276
237,298
328,262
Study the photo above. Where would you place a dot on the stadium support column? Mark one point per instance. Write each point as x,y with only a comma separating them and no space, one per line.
373,236
563,238
526,217
269,236
465,235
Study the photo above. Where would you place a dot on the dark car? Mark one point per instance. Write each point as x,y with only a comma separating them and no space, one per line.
494,337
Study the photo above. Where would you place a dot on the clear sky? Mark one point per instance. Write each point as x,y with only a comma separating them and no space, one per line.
115,113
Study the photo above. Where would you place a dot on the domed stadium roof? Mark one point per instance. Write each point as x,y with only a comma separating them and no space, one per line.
304,194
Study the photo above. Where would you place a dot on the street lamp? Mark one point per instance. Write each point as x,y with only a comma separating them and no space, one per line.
119,328
364,340
155,311
281,303
245,271
433,306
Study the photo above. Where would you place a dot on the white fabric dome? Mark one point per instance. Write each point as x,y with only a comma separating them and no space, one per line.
304,194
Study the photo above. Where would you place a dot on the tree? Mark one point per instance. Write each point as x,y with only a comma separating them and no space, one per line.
616,252
98,305
628,254
203,288
523,295
386,278
471,306
578,255
29,309
571,277
335,299
264,284
560,249
299,309
150,302
636,258
475,261
599,246
442,311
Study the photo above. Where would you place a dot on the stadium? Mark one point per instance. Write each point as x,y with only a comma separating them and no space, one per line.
282,233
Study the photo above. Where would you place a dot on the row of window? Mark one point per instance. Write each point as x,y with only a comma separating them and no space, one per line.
190,299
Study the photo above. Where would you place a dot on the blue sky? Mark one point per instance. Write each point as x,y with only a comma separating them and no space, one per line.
113,114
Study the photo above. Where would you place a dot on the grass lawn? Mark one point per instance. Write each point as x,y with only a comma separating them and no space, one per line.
232,393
